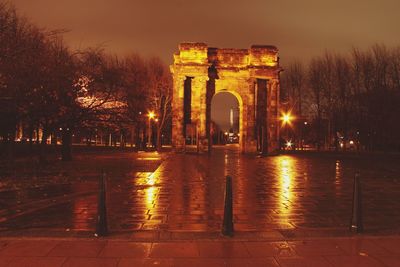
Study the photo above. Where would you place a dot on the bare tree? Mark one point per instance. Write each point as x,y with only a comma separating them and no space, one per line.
342,81
160,85
316,83
136,96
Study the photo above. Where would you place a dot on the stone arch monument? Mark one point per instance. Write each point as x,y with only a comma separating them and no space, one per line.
252,75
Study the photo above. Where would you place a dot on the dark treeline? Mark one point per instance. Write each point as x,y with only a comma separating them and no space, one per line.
347,98
47,88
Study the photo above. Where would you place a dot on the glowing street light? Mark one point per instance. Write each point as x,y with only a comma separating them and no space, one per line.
151,115
287,118
289,144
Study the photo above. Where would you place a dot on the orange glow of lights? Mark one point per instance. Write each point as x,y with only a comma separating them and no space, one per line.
151,180
289,144
151,194
152,190
286,183
286,177
287,118
151,115
338,176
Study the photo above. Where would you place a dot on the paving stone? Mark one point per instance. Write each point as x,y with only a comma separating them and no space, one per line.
116,249
90,262
290,194
174,250
222,250
77,248
390,244
28,248
151,263
4,261
316,247
36,262
316,261
354,261
355,246
390,261
269,249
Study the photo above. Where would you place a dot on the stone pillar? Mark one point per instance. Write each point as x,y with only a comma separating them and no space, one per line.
272,116
244,124
270,121
275,123
210,93
249,117
199,109
178,139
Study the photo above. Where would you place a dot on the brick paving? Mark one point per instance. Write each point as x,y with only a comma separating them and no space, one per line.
292,195
363,251
166,210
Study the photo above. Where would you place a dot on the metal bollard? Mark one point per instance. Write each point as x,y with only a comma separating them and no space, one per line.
101,224
227,225
356,224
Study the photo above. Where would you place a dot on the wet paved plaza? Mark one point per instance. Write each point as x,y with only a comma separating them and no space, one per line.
291,194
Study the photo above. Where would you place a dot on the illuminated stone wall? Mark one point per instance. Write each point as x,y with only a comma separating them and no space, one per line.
229,70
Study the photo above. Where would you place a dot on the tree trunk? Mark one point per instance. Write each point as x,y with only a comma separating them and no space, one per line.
54,138
42,147
137,139
66,153
37,135
31,139
319,133
159,145
89,140
11,147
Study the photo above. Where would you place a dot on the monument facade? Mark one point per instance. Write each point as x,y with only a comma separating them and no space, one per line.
251,75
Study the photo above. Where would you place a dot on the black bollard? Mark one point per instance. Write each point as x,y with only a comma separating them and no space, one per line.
227,225
356,224
101,225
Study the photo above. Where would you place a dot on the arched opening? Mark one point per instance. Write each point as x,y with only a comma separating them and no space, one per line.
225,119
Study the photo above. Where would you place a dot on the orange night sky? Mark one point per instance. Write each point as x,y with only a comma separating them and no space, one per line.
300,29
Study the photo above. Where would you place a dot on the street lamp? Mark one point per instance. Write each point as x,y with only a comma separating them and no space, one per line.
151,116
287,118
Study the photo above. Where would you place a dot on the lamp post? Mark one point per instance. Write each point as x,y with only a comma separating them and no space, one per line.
286,118
287,121
157,134
151,116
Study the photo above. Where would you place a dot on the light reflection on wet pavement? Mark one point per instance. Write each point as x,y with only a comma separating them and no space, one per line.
184,192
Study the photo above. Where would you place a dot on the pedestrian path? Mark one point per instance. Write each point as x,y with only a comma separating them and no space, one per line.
354,251
296,195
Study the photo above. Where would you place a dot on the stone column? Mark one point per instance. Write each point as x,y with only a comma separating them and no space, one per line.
249,117
275,114
270,121
178,139
199,109
273,124
244,123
